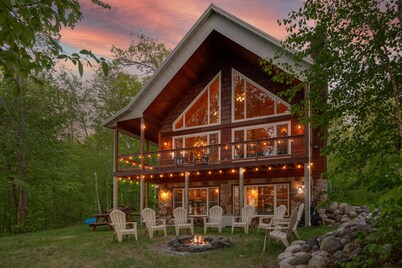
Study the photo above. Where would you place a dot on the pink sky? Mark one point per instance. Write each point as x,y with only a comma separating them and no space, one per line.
166,20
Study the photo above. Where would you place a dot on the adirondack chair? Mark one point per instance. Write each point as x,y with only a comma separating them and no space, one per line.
148,216
181,221
299,215
120,225
278,216
244,220
282,233
214,219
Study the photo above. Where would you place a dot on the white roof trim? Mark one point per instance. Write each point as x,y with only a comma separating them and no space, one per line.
214,18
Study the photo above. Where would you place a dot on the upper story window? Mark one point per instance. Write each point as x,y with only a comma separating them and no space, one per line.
253,101
204,110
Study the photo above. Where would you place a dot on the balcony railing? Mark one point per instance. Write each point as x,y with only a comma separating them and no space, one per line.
290,146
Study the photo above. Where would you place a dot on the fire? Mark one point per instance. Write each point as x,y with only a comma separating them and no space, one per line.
198,240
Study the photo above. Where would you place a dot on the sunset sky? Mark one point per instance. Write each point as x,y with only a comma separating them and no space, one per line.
166,20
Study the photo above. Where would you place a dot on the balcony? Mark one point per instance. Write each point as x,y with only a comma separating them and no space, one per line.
248,153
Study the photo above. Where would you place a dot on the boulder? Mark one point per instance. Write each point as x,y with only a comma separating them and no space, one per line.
345,218
301,266
330,244
284,255
349,248
301,258
305,248
342,206
317,262
286,265
289,260
298,242
352,214
336,212
334,205
293,248
329,222
340,256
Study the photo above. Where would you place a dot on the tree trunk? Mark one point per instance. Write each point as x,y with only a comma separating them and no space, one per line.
97,192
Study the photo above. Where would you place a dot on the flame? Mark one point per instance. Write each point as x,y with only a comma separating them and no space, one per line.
198,240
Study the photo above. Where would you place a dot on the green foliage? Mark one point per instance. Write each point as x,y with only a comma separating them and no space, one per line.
29,36
355,93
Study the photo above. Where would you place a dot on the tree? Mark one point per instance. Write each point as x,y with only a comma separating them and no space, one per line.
29,36
357,48
144,53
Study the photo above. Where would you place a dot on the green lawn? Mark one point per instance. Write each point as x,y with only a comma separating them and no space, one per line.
78,246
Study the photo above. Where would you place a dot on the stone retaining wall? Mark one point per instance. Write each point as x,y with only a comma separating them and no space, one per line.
341,213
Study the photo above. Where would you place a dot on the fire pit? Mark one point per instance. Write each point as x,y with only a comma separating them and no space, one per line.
196,243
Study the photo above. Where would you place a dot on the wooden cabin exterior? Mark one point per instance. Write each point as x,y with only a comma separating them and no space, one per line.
213,127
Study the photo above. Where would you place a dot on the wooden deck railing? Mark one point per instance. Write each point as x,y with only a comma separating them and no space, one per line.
290,146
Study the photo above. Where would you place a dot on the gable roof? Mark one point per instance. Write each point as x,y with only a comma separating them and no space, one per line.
213,19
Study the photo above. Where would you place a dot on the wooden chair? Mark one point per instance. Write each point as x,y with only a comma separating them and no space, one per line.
278,216
152,224
181,221
120,225
299,215
214,219
282,233
247,214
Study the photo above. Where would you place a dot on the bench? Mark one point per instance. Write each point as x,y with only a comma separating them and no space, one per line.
96,224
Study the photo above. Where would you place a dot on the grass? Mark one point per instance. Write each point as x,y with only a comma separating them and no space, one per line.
78,246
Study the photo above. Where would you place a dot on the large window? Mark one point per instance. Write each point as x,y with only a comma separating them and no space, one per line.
264,198
204,110
259,140
199,199
197,148
252,101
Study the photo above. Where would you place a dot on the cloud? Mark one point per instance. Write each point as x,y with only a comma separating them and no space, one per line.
166,20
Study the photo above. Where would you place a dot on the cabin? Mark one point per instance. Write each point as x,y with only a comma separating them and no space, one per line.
214,130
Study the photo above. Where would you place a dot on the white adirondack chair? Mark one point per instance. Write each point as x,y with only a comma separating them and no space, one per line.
148,216
247,214
299,215
282,233
120,225
278,216
181,221
214,219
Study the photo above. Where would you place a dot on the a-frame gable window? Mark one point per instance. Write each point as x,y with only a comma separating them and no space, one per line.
204,110
253,101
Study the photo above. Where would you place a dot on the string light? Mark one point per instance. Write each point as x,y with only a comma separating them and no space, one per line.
209,172
269,168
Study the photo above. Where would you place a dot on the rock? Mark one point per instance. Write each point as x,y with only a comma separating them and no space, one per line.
293,249
305,248
345,218
355,252
289,260
349,209
330,244
317,262
338,217
298,242
349,248
284,256
321,211
301,258
334,205
340,256
336,212
286,265
321,253
352,214
302,266
342,206
329,222
312,242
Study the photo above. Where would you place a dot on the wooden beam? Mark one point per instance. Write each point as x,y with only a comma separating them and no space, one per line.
115,168
186,186
241,187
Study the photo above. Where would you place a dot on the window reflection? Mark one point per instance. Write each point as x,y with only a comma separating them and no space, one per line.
251,100
204,110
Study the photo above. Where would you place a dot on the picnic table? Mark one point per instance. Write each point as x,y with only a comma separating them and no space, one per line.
101,220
